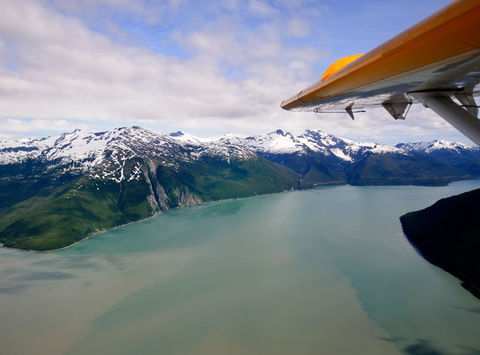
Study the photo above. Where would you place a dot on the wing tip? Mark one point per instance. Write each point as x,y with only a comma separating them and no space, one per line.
291,103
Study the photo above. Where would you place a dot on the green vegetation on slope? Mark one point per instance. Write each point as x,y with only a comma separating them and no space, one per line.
216,180
61,214
394,169
72,212
314,169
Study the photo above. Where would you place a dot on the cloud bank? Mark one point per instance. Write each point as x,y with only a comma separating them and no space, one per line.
200,66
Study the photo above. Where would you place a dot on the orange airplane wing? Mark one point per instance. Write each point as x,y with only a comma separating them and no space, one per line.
433,62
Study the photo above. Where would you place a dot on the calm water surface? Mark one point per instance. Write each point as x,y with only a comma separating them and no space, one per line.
325,271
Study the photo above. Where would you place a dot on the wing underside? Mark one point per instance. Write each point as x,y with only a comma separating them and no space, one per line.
436,62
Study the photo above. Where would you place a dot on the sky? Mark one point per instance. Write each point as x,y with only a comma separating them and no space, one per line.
203,67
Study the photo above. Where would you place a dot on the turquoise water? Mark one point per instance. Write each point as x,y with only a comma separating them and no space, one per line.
324,271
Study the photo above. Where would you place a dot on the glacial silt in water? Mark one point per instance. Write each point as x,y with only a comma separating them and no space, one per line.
320,271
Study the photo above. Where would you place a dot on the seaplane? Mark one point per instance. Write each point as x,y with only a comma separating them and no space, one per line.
435,62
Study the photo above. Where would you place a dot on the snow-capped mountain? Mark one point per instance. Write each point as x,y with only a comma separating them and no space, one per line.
57,190
89,149
85,151
460,156
278,142
324,158
104,154
436,145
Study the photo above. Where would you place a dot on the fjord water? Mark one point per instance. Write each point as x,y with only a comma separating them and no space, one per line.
324,271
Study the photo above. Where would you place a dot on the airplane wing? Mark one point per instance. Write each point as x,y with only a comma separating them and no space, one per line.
435,62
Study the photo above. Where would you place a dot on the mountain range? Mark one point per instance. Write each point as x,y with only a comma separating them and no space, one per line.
57,190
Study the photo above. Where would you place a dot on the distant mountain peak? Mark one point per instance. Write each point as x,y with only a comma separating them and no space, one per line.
86,149
82,150
435,145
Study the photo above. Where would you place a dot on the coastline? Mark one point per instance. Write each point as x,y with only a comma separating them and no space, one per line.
321,185
141,220
446,235
147,218
80,240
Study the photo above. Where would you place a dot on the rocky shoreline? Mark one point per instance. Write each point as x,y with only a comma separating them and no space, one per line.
447,234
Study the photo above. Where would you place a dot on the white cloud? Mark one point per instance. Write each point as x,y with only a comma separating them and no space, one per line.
297,27
13,126
261,8
65,70
148,11
233,79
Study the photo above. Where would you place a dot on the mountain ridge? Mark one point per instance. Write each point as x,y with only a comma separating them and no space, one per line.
275,142
57,190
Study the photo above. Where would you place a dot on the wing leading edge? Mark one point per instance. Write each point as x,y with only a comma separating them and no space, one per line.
435,62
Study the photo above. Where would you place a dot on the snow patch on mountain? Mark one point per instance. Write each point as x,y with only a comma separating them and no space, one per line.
339,153
435,145
278,142
275,142
187,138
85,151
104,154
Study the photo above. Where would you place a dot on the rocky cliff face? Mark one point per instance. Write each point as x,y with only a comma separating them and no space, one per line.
56,190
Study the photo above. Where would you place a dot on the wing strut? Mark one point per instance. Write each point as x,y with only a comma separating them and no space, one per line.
467,100
451,112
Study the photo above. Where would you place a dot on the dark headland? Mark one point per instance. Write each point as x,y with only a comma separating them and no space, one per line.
447,234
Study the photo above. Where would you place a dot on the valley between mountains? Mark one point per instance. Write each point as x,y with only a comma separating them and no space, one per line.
58,190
